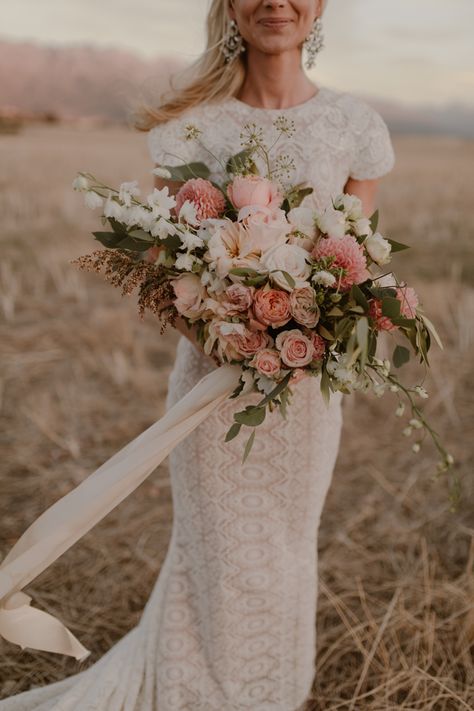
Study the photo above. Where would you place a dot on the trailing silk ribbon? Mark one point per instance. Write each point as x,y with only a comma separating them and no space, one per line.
72,516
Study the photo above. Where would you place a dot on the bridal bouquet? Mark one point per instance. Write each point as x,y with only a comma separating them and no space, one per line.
282,290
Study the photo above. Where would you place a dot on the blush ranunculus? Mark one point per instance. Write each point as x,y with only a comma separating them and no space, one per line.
303,306
267,362
319,345
190,294
207,199
296,350
272,307
253,190
348,256
249,342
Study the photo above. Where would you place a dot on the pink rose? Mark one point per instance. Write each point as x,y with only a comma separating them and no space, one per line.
296,350
303,306
238,298
189,294
267,362
272,307
249,342
253,190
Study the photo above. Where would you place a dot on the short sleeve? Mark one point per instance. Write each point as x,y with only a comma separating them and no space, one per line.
167,143
372,151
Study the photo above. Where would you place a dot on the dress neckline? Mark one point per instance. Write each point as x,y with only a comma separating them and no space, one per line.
312,101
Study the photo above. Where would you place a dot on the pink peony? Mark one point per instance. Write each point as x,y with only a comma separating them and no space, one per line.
409,301
348,255
303,306
296,350
249,342
207,199
272,307
253,190
267,362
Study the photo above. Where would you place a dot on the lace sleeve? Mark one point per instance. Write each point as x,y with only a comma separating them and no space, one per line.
373,154
167,144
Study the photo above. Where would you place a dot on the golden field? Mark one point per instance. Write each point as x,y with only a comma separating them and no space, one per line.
81,376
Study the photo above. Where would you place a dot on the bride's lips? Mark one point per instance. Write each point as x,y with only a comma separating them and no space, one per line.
280,22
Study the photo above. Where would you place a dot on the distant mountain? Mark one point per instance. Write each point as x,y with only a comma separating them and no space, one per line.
87,81
77,81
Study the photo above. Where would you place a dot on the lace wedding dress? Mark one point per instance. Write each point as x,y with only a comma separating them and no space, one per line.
230,623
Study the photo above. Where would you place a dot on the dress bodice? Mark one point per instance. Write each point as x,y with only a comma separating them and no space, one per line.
337,135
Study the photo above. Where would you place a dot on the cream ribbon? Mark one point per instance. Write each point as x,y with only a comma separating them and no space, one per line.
72,516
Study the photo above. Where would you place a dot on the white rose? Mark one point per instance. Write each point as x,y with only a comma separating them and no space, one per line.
362,227
303,219
351,204
332,222
287,258
378,248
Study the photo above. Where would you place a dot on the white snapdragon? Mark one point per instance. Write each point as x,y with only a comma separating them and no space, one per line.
162,173
324,278
161,202
127,191
113,209
185,261
80,183
162,228
190,240
188,213
378,248
93,200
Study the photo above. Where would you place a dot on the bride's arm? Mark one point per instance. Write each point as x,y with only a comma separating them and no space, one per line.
366,191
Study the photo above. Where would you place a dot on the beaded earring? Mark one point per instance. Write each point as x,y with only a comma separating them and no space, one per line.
314,43
233,43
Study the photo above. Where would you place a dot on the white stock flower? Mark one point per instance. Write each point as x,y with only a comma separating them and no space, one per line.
324,278
93,200
127,191
339,370
332,222
188,213
378,248
137,215
162,228
378,389
162,173
80,183
287,258
161,202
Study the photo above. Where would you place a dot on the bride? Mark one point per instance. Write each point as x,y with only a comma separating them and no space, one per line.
230,623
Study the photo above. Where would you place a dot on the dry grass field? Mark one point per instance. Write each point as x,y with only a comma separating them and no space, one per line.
81,376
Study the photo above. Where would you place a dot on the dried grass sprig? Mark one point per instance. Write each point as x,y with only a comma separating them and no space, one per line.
126,271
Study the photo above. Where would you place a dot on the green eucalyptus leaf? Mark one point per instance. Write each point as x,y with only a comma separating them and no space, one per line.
390,307
248,446
181,173
401,355
324,385
233,432
359,297
252,416
397,246
374,221
108,239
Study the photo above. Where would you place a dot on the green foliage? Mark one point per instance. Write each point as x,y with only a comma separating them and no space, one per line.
181,173
401,355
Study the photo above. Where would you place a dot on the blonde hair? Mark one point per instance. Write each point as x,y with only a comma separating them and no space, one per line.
209,79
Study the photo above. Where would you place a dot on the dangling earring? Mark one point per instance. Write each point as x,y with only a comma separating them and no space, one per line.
233,42
314,42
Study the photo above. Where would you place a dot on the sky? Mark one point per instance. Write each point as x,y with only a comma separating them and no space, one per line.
412,51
